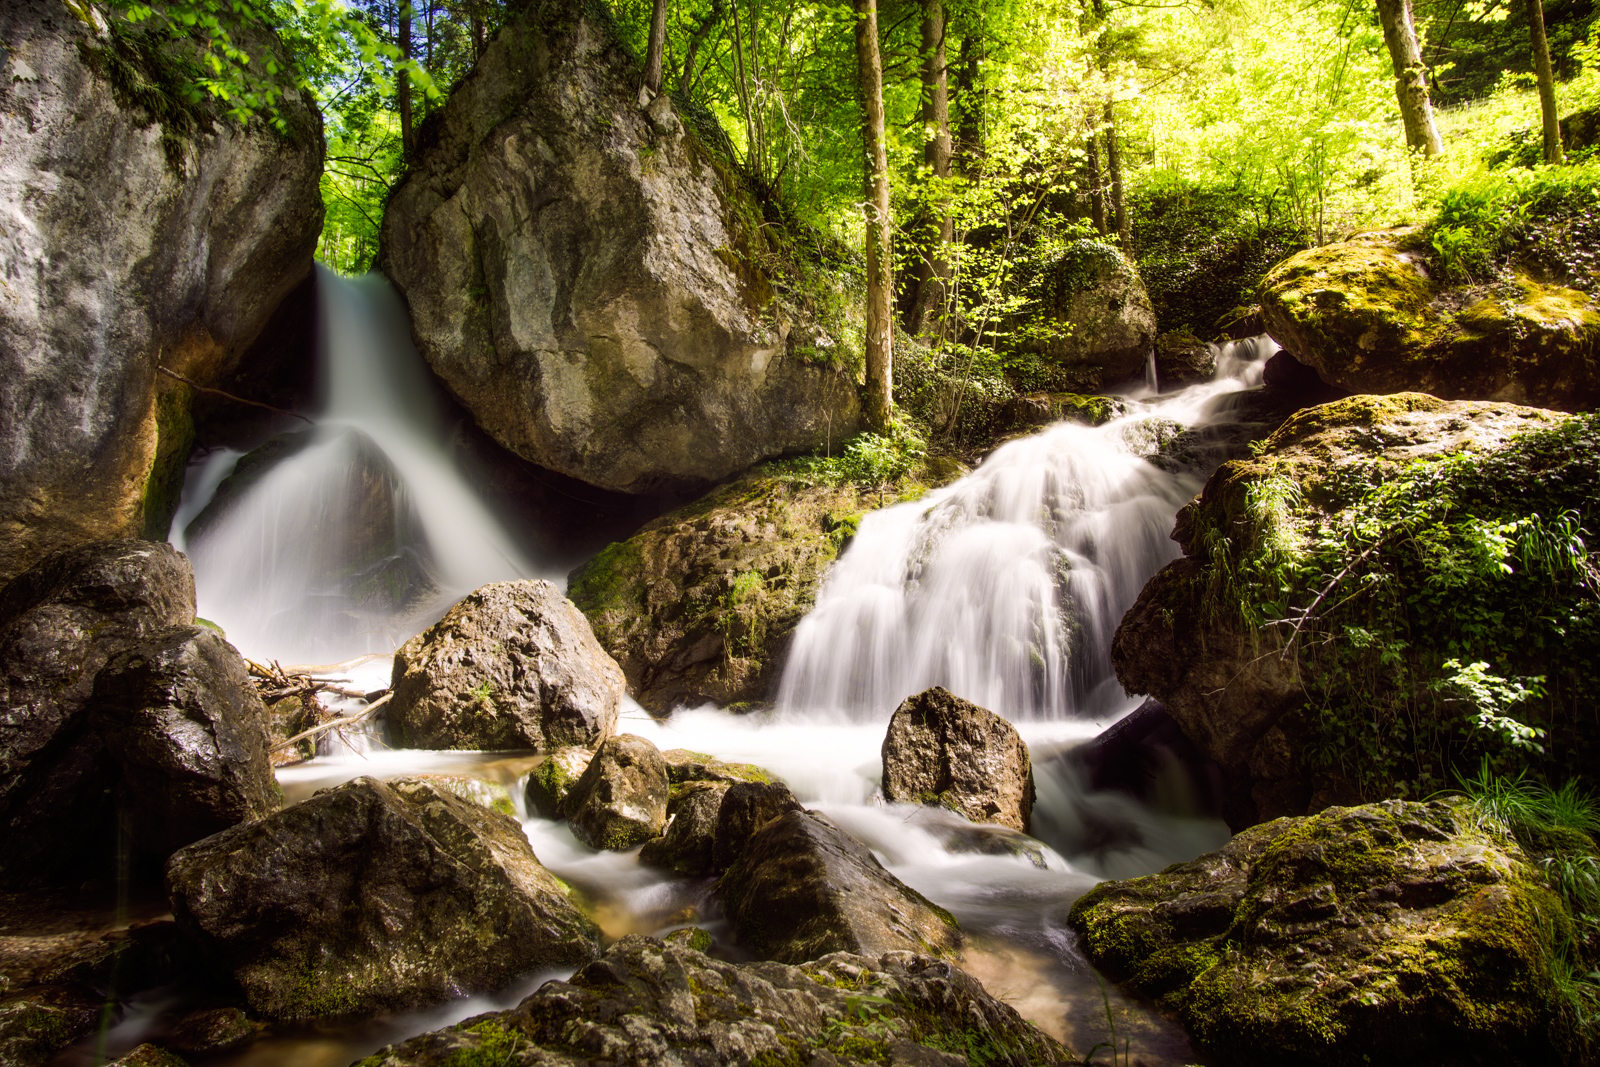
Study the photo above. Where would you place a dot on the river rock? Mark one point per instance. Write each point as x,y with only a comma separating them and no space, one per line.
1238,694
943,750
689,843
174,257
374,897
653,1004
621,800
59,624
651,329
747,807
1092,325
1370,315
188,734
551,781
802,888
1395,933
512,665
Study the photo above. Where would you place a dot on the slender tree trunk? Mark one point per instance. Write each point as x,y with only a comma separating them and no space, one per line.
938,230
1547,82
402,84
1119,205
1410,76
1097,201
655,52
969,145
878,404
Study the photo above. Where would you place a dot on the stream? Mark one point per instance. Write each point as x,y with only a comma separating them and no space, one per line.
1005,587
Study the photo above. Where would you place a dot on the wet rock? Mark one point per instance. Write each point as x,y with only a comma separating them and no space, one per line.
802,888
374,897
40,1023
512,665
621,800
175,257
1182,359
690,841
688,770
654,1004
653,331
551,781
148,1055
211,1031
59,624
1369,316
1093,326
958,835
188,734
289,717
1395,932
747,807
946,751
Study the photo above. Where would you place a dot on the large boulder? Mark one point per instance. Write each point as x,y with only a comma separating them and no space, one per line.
189,737
802,888
621,800
1392,588
512,665
690,839
60,622
1395,933
374,897
1090,322
1371,316
946,751
596,282
653,1004
173,258
747,807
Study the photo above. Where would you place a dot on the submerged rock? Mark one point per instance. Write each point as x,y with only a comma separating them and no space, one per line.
943,750
174,257
598,284
654,1004
374,897
512,665
1395,933
621,800
802,888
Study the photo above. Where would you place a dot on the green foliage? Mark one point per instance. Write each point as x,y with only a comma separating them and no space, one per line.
868,459
1547,217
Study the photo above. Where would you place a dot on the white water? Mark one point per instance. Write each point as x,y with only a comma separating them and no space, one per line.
277,571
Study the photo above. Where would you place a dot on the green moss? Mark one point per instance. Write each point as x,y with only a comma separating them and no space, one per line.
163,484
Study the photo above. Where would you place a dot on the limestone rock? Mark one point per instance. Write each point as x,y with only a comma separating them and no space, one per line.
59,624
747,807
188,735
943,750
621,800
374,897
551,781
1395,932
1369,317
690,840
175,256
655,1004
802,888
597,285
512,665
1093,326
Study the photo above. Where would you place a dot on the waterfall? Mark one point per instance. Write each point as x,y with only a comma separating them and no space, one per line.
1007,586
345,537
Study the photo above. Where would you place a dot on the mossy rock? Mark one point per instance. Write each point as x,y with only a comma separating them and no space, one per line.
1389,933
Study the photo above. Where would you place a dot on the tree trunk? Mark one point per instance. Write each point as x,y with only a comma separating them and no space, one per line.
969,146
878,403
1097,200
938,230
656,51
1410,76
1119,206
1547,82
402,84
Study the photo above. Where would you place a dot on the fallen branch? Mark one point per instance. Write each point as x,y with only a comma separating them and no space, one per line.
192,384
333,724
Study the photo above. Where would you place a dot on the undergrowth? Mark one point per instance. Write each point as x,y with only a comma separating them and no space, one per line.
1546,219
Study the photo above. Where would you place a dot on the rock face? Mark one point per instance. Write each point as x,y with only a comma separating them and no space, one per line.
746,808
1369,318
691,836
943,750
189,736
374,897
596,285
802,888
1382,503
654,1004
1094,326
174,257
60,622
621,800
512,665
1396,932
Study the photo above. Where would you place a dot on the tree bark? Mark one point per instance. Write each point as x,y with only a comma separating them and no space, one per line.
402,84
1410,76
938,230
655,52
878,403
1547,82
1097,200
1119,205
969,146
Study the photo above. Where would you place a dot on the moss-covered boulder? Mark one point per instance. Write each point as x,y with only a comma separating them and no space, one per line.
1370,316
1088,324
699,605
652,1003
1399,932
621,800
1390,590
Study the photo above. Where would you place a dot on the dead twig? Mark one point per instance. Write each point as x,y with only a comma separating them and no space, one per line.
334,724
192,384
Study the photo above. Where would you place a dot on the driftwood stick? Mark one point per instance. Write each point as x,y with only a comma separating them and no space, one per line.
334,724
192,384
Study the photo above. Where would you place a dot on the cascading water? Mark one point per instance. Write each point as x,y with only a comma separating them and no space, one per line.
345,537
